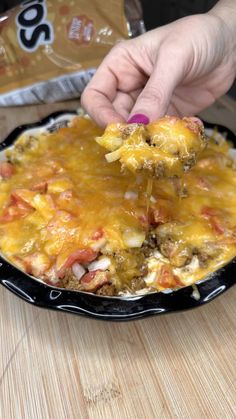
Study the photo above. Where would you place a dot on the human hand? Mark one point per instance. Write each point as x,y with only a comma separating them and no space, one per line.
178,69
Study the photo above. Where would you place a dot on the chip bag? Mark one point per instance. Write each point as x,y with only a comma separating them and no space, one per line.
49,49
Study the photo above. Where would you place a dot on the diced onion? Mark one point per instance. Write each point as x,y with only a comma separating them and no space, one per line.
101,264
115,155
152,199
131,195
195,294
193,265
157,255
133,239
111,143
78,270
132,162
150,278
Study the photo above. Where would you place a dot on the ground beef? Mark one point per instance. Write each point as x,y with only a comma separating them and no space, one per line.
107,289
69,281
178,256
127,131
150,244
203,257
189,161
167,246
180,187
155,169
181,257
28,143
183,193
137,284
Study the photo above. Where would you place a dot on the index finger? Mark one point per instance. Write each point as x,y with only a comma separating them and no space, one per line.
98,96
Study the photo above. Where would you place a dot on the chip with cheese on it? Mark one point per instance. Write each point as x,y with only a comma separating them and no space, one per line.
165,148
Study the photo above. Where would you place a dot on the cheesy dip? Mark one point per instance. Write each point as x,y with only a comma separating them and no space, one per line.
72,220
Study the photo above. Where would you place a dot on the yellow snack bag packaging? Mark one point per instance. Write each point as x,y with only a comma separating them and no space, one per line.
49,49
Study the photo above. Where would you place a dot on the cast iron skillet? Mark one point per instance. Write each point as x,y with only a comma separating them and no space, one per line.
109,308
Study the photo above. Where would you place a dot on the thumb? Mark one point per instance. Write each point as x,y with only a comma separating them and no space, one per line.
155,98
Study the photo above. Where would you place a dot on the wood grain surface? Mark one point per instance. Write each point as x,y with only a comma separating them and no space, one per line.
56,366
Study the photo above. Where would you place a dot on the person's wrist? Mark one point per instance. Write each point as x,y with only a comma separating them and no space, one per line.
225,14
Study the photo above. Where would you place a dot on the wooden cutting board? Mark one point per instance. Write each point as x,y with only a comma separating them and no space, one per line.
56,366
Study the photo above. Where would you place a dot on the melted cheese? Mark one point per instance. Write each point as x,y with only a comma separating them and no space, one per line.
88,204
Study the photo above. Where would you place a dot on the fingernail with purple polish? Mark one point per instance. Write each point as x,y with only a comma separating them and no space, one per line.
139,118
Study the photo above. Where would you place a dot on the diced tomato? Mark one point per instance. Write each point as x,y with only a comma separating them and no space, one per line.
154,217
213,216
80,256
19,205
93,280
36,264
161,213
167,279
6,169
14,210
178,281
159,216
40,187
208,212
217,226
23,197
145,220
5,217
143,215
98,234
87,278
